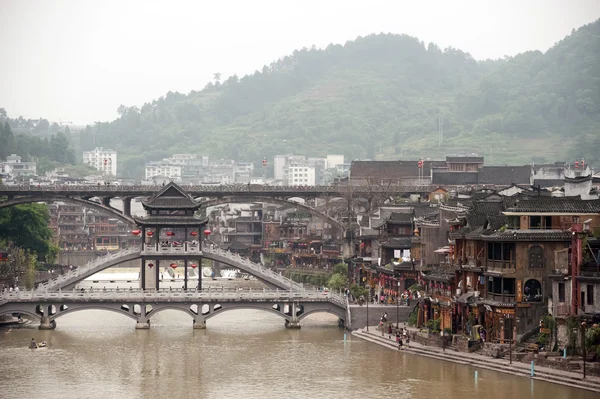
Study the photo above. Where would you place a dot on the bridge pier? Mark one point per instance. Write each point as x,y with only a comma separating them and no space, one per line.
199,323
47,324
106,201
294,322
140,325
127,206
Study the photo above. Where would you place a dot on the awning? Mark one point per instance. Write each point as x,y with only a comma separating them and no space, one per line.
442,250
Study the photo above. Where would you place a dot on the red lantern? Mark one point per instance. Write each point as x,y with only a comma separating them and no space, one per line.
150,265
136,232
264,162
173,265
194,233
193,265
207,232
170,233
149,234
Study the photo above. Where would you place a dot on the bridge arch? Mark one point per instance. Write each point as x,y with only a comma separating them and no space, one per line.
182,308
78,201
32,315
77,308
266,307
334,311
271,200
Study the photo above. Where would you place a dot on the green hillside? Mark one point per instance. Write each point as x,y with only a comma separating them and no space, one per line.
379,97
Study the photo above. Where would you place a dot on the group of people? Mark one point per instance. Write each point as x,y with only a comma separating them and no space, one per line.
34,345
401,333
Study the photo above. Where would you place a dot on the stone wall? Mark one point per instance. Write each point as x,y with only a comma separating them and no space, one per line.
359,315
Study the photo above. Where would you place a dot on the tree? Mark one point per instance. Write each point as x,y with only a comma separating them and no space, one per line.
26,226
340,268
217,77
337,282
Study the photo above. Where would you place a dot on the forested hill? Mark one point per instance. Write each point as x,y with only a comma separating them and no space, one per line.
379,97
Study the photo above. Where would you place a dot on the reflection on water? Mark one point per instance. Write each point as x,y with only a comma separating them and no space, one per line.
244,354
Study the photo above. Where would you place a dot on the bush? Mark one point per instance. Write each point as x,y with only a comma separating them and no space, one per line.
433,325
412,319
543,339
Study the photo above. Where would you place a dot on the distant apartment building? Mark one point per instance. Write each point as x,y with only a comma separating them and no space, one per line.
103,160
299,175
163,169
321,168
333,160
15,167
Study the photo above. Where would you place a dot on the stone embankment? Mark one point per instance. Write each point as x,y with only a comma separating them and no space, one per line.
359,314
574,380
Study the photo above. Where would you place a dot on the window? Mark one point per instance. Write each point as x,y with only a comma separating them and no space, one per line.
590,294
536,257
533,291
561,292
535,222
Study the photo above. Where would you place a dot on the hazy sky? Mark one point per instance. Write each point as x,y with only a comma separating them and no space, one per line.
77,60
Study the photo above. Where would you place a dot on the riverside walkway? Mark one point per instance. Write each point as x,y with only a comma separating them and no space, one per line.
574,380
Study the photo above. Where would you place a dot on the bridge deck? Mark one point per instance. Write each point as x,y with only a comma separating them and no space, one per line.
167,296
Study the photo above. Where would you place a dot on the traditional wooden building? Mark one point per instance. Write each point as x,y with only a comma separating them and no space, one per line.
171,235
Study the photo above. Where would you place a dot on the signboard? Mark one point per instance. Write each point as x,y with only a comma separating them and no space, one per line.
505,311
519,290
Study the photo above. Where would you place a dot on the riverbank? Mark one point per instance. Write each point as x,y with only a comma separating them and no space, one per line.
573,380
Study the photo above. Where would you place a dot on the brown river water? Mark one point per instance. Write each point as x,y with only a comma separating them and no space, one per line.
241,354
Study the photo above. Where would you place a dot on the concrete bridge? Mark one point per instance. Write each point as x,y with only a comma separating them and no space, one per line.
141,306
99,197
270,278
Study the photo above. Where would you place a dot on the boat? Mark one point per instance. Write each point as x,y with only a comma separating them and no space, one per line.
41,345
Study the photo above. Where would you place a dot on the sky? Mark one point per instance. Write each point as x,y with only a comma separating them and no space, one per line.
76,61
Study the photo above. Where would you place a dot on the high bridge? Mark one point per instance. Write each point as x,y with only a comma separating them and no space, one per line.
141,306
99,196
269,277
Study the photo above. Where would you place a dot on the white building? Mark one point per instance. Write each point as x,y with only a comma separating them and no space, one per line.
333,160
299,175
279,163
15,167
163,169
103,160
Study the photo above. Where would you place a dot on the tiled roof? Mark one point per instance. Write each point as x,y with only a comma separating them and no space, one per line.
465,159
529,235
574,205
171,197
390,169
170,220
398,218
454,178
398,242
505,175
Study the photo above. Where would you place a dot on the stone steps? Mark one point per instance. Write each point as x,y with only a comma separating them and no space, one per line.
517,369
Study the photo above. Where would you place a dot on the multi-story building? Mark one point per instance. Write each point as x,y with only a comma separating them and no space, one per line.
163,169
299,175
15,167
67,223
101,159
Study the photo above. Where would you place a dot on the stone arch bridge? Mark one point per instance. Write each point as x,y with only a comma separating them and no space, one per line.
270,278
141,306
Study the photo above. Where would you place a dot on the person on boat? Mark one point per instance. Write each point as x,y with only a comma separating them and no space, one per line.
33,344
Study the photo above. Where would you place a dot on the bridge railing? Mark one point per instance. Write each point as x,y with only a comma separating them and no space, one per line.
72,275
258,268
172,296
156,249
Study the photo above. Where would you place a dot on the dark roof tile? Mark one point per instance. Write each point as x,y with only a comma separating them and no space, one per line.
505,175
573,205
